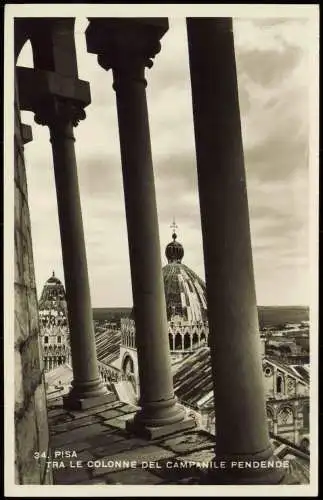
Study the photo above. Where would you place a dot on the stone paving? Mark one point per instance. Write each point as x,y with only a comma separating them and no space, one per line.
93,447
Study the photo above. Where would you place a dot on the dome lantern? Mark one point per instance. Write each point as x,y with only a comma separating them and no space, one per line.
174,251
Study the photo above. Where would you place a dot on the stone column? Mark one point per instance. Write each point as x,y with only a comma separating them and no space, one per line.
53,91
126,47
241,423
60,115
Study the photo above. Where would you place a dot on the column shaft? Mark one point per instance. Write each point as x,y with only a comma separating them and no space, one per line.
241,423
156,385
86,381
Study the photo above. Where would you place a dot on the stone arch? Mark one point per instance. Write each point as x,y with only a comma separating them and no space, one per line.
128,366
280,383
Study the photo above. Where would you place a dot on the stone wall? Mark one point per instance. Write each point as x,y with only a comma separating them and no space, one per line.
31,427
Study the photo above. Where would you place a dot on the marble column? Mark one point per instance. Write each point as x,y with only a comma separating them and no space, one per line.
241,422
126,47
61,115
53,91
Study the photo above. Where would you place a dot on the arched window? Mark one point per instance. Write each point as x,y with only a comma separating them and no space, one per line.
279,384
178,341
195,339
171,341
46,339
187,341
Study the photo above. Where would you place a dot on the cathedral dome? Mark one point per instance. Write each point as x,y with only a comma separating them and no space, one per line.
185,292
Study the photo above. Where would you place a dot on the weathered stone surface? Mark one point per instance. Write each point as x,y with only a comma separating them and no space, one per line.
189,441
115,423
30,365
70,476
70,437
25,262
41,418
32,279
19,277
21,314
198,456
119,461
76,424
18,205
111,414
120,446
33,312
19,390
21,174
133,476
26,445
95,410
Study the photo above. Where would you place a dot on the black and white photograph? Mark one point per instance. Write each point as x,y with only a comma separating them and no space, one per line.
161,250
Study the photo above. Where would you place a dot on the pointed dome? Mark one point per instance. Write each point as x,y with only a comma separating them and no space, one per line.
53,294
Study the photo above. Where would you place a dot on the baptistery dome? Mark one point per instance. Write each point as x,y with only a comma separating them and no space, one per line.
53,321
53,294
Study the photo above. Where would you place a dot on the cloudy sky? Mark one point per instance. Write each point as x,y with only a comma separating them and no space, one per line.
272,58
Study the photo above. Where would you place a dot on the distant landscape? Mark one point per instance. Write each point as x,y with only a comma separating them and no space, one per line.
268,315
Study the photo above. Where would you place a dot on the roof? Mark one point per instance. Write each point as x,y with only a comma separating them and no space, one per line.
295,370
108,345
193,378
185,293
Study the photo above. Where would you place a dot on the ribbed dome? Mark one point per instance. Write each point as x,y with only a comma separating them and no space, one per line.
53,295
185,293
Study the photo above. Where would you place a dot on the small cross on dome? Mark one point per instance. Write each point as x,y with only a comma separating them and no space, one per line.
174,226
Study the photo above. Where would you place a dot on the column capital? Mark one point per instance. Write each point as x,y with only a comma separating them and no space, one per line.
54,98
56,110
126,45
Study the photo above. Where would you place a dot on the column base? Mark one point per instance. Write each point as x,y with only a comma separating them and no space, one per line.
261,468
72,401
148,432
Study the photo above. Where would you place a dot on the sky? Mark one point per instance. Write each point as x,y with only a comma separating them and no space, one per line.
272,57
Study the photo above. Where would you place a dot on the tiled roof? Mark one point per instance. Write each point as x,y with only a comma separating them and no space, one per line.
108,345
193,379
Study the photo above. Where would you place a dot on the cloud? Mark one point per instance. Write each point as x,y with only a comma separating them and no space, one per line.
273,79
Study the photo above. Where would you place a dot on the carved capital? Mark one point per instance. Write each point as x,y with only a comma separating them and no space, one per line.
55,111
127,46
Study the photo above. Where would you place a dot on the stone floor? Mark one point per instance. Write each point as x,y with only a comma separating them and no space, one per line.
93,447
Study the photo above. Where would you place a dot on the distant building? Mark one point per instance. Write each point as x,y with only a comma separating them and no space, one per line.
186,305
286,388
54,330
